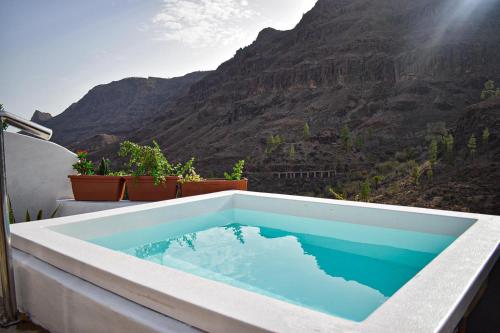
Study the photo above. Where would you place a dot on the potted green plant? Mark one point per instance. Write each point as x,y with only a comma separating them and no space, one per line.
193,184
152,177
92,185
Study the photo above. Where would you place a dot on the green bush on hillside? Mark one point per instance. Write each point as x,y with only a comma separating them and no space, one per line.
489,90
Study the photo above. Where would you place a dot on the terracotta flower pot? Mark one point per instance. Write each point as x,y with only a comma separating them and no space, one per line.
212,185
144,189
97,188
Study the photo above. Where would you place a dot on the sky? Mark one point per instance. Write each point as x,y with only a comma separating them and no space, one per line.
55,51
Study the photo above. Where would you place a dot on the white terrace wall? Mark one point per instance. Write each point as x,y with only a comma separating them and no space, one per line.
37,174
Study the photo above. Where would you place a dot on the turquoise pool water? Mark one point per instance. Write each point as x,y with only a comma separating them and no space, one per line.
338,268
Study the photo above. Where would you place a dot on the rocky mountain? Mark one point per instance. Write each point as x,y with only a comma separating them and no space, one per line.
369,65
112,111
374,80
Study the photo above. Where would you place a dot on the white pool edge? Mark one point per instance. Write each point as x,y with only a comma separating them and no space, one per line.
218,307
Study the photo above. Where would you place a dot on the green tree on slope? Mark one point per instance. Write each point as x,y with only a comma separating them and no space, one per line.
472,145
306,133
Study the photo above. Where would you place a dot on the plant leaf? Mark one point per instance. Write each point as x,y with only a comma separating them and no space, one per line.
54,212
12,218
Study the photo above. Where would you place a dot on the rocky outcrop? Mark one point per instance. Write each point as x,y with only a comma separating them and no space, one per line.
40,117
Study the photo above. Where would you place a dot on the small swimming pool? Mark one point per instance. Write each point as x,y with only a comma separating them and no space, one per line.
254,262
338,268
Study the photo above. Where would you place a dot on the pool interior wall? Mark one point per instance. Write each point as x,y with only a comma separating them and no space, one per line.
362,241
377,217
338,268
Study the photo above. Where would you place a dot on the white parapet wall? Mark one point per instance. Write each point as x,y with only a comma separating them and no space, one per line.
68,207
37,174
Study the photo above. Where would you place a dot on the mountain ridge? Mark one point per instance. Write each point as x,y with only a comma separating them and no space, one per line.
116,108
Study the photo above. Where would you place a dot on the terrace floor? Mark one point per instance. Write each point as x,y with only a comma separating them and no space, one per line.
483,319
25,326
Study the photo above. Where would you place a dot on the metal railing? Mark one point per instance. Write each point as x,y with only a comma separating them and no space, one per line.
9,315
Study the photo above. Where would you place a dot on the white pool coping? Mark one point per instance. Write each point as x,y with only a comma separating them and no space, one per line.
433,301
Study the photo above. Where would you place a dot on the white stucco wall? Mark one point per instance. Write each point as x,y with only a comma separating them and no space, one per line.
37,174
61,302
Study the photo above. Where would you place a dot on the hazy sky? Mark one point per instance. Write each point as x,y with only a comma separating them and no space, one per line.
54,51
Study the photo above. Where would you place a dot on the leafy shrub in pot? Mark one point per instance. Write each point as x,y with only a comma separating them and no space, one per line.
152,177
194,184
89,186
